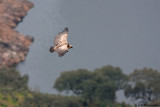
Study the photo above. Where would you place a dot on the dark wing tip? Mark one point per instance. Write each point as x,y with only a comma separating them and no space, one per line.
65,29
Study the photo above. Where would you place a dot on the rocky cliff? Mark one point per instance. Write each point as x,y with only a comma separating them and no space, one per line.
13,45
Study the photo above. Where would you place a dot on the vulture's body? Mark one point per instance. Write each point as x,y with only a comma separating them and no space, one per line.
61,44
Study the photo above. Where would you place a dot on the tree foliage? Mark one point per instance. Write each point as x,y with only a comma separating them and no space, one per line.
90,86
11,78
144,83
100,84
68,81
46,100
115,74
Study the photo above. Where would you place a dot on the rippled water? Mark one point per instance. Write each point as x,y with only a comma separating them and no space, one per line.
120,33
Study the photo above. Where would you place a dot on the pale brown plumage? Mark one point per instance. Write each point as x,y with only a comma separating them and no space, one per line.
61,44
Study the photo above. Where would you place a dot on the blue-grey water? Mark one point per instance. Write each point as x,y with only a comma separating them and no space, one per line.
117,32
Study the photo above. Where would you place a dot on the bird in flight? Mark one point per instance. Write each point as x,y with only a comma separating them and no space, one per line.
61,44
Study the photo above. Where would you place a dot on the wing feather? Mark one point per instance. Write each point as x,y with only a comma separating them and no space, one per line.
61,38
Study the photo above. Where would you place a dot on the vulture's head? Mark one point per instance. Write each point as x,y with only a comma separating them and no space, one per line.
70,46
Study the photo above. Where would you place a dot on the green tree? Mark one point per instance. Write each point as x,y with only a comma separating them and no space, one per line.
115,74
71,80
101,84
10,78
144,83
46,100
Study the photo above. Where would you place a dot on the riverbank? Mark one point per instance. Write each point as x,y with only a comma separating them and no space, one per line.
14,46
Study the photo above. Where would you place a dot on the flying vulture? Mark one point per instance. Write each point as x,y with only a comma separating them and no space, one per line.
61,44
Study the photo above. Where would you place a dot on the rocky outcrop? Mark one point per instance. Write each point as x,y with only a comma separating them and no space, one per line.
13,45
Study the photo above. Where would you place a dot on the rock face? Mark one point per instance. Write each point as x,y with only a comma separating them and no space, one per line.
13,45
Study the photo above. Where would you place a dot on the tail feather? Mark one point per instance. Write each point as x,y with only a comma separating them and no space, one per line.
51,49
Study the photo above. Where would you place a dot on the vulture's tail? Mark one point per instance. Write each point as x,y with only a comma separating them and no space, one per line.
51,49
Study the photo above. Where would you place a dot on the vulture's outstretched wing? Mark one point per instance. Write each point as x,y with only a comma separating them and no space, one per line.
61,38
